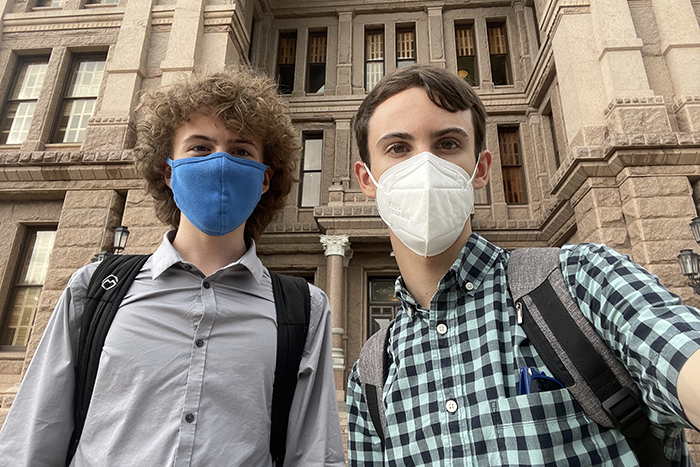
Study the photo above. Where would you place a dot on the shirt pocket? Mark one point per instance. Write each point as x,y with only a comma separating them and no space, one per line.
547,428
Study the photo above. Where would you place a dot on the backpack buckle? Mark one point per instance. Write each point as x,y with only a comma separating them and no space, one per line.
626,412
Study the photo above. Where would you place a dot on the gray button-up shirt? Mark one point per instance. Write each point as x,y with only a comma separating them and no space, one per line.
185,376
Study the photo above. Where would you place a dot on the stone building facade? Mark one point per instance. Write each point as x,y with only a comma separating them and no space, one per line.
593,120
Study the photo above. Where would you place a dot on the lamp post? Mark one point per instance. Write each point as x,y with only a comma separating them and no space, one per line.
121,235
690,261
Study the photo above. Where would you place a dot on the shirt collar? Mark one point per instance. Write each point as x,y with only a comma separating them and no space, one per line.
166,256
474,261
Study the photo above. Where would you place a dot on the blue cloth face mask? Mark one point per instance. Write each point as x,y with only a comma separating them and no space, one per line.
217,193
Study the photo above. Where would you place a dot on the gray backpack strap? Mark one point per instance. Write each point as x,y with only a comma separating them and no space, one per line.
575,353
373,367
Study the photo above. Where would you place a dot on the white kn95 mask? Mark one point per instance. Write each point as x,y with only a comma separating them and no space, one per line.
425,201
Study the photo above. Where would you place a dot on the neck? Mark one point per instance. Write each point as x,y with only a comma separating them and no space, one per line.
207,252
422,275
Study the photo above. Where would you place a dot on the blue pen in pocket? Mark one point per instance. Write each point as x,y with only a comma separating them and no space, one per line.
532,381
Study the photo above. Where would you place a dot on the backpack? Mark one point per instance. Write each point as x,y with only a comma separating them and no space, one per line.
567,343
107,288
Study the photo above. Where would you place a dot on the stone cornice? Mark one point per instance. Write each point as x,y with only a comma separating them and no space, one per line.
65,157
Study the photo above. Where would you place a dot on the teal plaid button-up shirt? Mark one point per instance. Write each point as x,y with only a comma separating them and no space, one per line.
451,397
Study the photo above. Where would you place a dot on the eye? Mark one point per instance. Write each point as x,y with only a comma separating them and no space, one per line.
199,148
240,152
448,144
397,148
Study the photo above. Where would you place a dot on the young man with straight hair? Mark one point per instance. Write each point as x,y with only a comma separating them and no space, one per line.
186,372
451,394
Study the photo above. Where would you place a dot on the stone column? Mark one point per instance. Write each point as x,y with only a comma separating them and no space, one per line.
185,37
436,37
338,255
658,210
344,65
679,33
601,75
112,127
300,63
599,217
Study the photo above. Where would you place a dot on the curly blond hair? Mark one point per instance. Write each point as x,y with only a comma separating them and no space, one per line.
247,103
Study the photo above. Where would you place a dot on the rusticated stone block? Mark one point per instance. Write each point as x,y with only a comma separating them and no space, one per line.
652,187
659,229
665,207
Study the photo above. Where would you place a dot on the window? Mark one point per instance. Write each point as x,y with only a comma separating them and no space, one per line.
405,47
79,100
511,165
498,50
21,103
27,285
316,73
311,168
374,58
549,122
481,196
383,304
286,55
103,2
466,55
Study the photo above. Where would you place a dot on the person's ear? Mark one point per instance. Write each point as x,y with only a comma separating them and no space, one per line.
266,181
366,184
483,169
168,173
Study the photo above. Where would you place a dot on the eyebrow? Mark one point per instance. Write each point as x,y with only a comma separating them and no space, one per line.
213,140
435,134
447,131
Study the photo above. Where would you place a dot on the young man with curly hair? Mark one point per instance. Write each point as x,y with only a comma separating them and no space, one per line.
451,394
186,373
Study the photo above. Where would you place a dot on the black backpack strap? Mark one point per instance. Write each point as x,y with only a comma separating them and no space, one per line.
108,285
373,368
293,305
574,352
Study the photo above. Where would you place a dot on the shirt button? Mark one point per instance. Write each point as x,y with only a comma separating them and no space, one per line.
206,285
199,342
470,286
410,312
187,267
451,406
441,328
189,418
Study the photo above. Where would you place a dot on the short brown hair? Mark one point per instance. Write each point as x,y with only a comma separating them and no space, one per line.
444,89
247,103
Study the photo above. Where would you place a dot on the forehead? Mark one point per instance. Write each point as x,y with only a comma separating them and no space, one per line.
412,111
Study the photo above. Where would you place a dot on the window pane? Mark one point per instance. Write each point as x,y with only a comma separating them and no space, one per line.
317,48
481,196
500,70
375,72
465,41
21,317
313,153
87,77
382,290
288,49
508,146
375,46
405,45
30,80
285,78
497,39
466,69
513,185
34,270
18,121
311,189
74,120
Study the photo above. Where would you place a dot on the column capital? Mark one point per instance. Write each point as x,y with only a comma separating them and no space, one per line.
335,244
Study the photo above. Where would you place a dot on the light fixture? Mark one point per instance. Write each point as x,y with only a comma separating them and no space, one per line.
690,261
121,235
